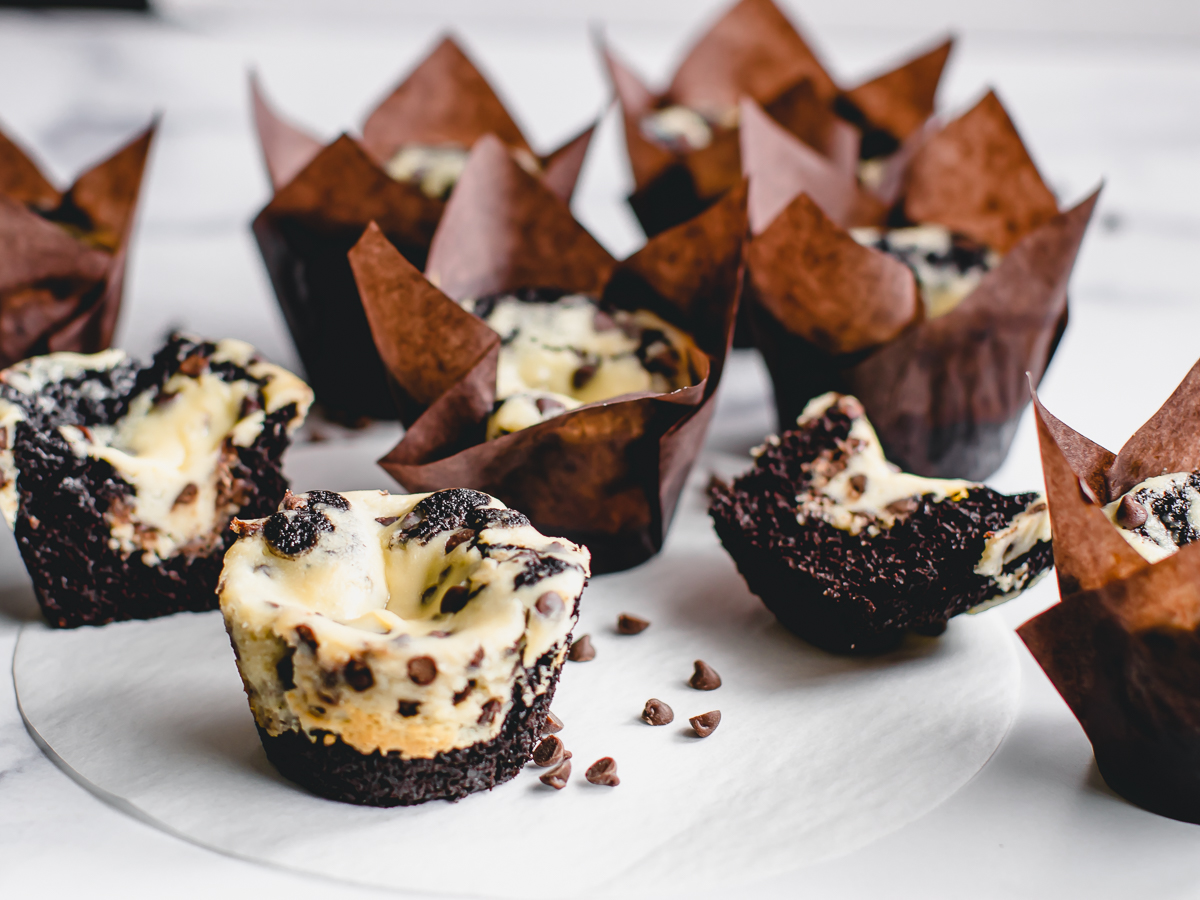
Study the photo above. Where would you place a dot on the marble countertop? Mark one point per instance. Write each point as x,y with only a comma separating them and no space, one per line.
1112,98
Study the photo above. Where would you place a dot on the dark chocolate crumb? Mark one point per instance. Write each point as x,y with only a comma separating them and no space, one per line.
294,532
549,604
464,693
657,713
558,777
476,660
385,521
1131,514
548,406
306,634
549,752
459,537
326,499
627,624
286,669
553,723
488,713
705,677
187,495
583,375
455,598
408,708
706,723
427,594
422,670
582,649
603,771
358,675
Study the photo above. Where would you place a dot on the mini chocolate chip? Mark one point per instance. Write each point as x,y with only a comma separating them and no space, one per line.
286,669
904,507
488,712
553,724
583,375
455,598
459,537
1131,514
358,675
705,678
408,708
706,723
627,624
548,406
476,660
422,670
306,634
464,693
385,521
603,771
193,365
548,752
657,713
558,777
249,405
858,484
411,520
187,495
246,528
549,604
582,649
428,593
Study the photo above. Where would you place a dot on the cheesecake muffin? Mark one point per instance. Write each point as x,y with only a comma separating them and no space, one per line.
120,480
559,351
850,553
397,649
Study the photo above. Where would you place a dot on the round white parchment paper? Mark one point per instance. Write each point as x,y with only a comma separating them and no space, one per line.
816,755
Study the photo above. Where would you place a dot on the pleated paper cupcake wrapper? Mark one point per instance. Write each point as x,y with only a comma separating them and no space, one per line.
945,394
62,254
1123,646
607,474
326,195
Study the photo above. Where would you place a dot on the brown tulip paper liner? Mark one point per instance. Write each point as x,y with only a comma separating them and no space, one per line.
945,394
754,51
326,195
1123,646
62,254
607,474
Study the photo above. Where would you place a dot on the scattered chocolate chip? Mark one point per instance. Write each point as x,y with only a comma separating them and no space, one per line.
657,713
549,752
558,777
476,660
548,406
1131,514
455,598
858,484
306,634
705,678
385,521
549,604
408,708
286,669
358,675
459,537
488,713
706,723
582,649
464,693
627,624
187,495
603,771
553,724
422,670
583,375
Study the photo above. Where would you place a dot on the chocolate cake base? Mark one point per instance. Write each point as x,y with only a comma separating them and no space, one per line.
340,772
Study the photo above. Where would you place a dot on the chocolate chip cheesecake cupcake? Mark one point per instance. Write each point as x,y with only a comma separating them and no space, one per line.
559,351
397,649
120,480
850,553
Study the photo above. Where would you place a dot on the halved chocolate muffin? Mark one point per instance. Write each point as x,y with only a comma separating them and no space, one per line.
397,649
120,480
850,553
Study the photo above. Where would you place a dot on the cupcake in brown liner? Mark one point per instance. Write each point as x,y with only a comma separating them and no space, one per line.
397,649
398,174
602,472
683,142
851,553
62,254
930,310
1123,646
120,480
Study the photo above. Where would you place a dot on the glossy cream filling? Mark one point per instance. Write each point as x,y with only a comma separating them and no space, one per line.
436,168
943,286
684,129
1153,540
366,597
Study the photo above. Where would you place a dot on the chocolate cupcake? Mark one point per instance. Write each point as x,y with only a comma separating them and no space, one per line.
930,309
62,253
120,480
413,148
594,379
683,142
850,553
1122,647
397,649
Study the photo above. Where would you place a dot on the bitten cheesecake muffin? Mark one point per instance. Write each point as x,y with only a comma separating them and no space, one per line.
560,351
850,553
120,480
946,265
399,648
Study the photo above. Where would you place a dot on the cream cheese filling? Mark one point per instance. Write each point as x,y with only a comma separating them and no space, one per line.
436,168
368,598
680,128
1172,506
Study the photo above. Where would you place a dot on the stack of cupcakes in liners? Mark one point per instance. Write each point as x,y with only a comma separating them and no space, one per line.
607,426
62,253
1123,646
929,308
398,174
683,142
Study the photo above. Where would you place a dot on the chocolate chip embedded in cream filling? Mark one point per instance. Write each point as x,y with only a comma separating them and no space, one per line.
559,352
436,168
1159,515
406,624
946,265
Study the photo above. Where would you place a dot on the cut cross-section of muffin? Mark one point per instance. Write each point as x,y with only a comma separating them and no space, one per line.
120,480
850,553
397,649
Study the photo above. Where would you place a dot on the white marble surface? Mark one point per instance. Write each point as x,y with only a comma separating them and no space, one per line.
1100,90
